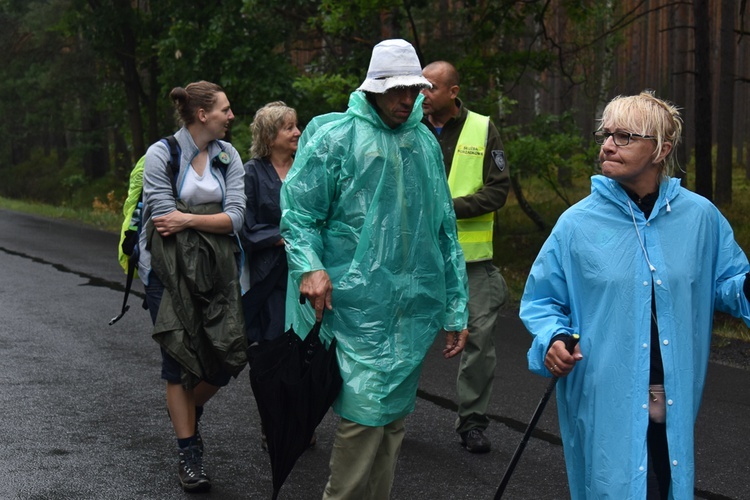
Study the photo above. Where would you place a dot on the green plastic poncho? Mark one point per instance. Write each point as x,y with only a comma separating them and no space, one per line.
371,206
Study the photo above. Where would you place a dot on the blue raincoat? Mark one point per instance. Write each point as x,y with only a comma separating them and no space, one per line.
593,276
371,206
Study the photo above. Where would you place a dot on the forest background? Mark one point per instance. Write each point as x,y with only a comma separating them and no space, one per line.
85,84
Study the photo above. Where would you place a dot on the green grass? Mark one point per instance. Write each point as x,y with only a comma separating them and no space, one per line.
108,219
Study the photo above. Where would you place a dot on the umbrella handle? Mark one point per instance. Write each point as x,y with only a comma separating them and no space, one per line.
302,301
570,344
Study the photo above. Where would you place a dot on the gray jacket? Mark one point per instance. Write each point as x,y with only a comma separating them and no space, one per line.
157,186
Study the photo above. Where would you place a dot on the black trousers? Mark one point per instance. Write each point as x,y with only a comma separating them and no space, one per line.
659,471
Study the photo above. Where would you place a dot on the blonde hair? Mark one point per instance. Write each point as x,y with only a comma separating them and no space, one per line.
266,125
646,114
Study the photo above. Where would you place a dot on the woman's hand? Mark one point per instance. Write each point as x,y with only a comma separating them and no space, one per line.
172,223
559,361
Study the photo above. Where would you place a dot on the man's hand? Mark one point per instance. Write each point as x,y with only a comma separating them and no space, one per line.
316,287
454,343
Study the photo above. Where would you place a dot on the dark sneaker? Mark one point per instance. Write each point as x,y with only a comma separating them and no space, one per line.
190,470
475,441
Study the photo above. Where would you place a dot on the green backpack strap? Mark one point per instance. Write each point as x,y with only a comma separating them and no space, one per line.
174,164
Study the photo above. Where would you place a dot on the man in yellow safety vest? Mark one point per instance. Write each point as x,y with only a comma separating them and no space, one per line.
478,179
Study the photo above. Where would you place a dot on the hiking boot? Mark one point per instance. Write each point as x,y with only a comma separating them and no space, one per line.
199,442
190,470
475,441
198,439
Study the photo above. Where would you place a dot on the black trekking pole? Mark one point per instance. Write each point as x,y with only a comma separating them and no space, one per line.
570,344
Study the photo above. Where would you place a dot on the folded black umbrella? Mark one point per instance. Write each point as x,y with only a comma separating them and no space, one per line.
295,382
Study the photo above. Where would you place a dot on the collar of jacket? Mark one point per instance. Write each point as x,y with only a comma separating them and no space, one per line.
669,189
190,150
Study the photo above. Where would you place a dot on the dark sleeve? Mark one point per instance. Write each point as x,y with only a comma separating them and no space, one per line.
559,336
746,287
258,232
493,194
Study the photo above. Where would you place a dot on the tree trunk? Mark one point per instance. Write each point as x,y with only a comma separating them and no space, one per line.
152,101
524,205
131,79
725,125
703,129
679,67
123,162
96,153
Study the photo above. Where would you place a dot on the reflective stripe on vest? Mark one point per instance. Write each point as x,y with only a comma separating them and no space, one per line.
465,178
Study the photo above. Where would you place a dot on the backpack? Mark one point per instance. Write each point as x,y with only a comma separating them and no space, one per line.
130,233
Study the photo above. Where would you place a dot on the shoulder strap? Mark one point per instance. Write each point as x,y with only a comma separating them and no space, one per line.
128,286
174,161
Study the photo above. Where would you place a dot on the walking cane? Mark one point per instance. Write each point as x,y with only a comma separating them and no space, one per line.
570,344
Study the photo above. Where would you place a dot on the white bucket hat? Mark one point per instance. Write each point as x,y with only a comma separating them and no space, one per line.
394,63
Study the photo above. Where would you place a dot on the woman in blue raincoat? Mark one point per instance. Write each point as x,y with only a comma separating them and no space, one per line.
637,268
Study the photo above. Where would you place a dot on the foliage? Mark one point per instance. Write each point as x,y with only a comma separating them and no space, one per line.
547,146
322,93
87,81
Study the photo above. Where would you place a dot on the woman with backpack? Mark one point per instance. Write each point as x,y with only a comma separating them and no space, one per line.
189,263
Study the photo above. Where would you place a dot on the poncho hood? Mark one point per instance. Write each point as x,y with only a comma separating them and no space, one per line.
360,107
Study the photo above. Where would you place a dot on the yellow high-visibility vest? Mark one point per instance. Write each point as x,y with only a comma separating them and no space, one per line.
465,178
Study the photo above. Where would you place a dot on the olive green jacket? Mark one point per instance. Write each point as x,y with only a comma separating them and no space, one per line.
200,321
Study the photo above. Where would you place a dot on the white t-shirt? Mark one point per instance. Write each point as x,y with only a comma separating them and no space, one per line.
199,189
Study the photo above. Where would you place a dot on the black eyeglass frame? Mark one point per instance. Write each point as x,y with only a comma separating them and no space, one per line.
600,137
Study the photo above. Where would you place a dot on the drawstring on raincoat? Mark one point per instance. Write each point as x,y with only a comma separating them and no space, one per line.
640,240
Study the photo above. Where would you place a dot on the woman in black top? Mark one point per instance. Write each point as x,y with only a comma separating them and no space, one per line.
275,138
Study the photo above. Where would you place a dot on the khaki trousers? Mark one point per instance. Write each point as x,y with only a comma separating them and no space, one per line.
363,461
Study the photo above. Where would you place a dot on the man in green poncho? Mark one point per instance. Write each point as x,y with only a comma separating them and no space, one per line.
370,230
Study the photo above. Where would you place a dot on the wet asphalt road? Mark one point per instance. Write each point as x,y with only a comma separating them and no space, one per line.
83,413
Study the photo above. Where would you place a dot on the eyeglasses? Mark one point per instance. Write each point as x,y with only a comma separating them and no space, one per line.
620,138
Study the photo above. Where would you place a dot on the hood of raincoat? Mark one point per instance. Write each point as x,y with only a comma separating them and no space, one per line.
371,206
596,275
610,189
